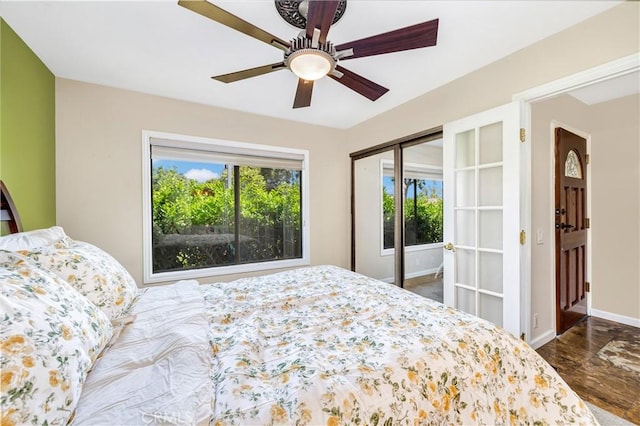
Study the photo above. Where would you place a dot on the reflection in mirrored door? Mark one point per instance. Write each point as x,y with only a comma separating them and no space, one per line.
373,215
379,215
423,218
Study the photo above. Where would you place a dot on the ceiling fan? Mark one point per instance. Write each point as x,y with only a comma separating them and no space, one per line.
310,56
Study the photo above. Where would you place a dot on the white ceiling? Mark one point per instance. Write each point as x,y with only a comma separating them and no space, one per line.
161,48
608,90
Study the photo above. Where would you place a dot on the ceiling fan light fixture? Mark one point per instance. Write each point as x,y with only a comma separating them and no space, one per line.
310,64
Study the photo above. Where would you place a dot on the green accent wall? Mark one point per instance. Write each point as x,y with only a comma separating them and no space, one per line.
27,131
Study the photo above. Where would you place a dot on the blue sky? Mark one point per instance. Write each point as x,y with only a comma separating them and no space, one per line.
387,182
197,171
202,172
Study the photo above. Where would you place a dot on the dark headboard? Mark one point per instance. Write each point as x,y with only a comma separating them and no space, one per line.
8,212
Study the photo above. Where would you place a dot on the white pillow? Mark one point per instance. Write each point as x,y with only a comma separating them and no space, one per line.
91,271
50,335
32,239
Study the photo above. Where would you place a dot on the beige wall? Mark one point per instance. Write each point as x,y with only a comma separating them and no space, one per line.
99,165
615,183
368,199
611,35
613,129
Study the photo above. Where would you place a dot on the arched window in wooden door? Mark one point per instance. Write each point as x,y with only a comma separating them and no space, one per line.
572,166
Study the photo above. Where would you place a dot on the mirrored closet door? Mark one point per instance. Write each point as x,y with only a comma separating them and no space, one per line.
423,219
374,214
397,202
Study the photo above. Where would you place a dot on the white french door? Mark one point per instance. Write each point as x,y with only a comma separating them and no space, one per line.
482,256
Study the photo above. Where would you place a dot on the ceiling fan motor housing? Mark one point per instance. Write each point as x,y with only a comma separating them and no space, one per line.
294,12
301,45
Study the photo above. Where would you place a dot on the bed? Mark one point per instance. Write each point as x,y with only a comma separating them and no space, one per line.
81,344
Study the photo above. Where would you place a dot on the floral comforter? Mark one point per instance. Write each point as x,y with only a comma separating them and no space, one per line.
316,346
325,346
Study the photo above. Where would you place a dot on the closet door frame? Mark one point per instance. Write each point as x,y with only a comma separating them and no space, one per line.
397,146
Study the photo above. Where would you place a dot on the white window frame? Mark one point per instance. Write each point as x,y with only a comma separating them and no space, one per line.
429,171
149,277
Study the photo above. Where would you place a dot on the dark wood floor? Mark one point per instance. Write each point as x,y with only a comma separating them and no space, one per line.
600,360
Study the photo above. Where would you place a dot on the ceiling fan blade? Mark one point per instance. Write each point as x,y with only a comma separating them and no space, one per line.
358,83
248,73
320,15
303,93
412,37
223,17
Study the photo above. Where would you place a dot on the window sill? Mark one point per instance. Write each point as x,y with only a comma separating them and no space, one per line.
410,249
154,278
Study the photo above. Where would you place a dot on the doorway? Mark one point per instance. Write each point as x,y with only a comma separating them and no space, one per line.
484,231
570,228
607,122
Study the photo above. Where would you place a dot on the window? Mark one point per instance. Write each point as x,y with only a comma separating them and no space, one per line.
572,167
422,205
216,207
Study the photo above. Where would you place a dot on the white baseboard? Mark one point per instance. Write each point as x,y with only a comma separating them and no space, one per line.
549,335
635,322
546,337
421,273
412,275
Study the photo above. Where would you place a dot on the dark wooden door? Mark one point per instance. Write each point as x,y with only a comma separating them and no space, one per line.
571,230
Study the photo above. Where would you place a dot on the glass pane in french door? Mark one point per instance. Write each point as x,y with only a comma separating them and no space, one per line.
477,221
374,216
423,217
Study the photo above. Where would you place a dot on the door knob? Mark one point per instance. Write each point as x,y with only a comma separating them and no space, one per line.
564,226
560,212
449,246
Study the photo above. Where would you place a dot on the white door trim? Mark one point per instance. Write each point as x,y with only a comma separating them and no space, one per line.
526,176
613,69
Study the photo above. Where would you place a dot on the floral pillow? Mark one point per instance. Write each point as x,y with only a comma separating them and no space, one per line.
91,271
50,336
